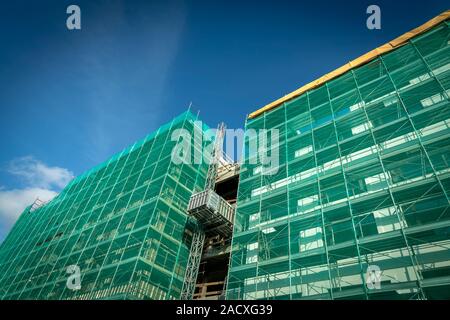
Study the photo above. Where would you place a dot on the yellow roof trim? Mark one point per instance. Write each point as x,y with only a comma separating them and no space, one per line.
403,39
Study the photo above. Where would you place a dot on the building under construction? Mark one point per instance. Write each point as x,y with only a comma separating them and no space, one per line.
362,185
123,223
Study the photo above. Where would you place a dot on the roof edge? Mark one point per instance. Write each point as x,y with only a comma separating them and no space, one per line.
365,58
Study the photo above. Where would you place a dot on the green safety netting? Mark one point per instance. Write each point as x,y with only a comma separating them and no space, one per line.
363,183
123,223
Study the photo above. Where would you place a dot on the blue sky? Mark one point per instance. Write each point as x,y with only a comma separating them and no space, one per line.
71,99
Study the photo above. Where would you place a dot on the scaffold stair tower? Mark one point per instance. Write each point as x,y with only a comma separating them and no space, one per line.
211,215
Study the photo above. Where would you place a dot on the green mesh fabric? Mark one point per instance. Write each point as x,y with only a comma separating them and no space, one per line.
123,223
364,181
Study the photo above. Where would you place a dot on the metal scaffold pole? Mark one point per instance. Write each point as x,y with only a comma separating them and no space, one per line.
215,158
211,214
193,263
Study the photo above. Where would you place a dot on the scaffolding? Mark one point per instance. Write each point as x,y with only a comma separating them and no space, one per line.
363,181
211,214
195,256
123,223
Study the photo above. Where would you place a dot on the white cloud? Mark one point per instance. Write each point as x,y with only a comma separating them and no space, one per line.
13,202
38,174
41,181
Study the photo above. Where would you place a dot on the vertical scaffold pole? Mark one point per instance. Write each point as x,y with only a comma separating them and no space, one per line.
193,264
215,157
198,238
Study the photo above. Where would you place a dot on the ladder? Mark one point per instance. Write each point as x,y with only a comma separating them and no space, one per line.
195,254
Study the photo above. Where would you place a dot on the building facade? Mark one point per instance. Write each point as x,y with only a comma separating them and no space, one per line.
359,206
123,224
